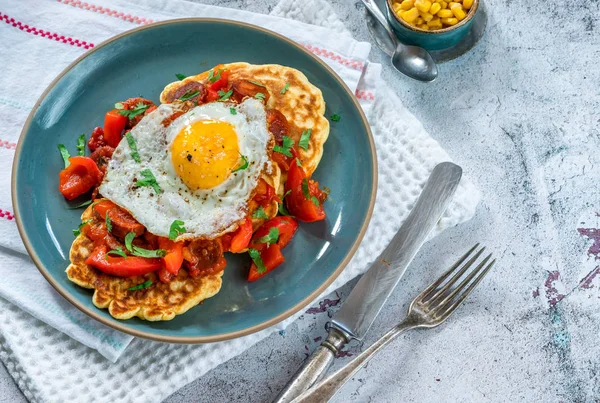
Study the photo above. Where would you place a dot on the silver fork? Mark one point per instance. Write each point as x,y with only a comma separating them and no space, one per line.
429,309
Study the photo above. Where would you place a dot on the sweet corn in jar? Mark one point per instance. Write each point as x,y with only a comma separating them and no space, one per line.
431,15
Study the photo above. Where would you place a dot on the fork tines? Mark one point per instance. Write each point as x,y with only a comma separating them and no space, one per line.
442,297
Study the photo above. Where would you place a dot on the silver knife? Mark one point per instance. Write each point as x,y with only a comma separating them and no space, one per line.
362,306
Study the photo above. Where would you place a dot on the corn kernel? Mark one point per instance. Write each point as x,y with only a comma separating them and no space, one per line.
449,21
410,15
426,16
435,7
467,4
419,21
436,23
407,5
445,14
450,4
423,5
443,4
458,12
397,9
424,27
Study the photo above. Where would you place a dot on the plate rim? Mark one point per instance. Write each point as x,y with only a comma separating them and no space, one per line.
122,325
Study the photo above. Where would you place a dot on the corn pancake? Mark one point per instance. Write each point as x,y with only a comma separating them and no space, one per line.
302,104
159,301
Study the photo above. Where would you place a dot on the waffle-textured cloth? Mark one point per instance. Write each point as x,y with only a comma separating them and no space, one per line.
146,371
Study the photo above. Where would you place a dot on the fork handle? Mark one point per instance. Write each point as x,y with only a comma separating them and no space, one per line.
326,389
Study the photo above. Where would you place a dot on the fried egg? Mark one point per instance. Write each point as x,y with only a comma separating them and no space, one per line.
206,164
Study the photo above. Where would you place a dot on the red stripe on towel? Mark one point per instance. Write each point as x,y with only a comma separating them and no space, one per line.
7,144
45,34
6,214
330,55
105,10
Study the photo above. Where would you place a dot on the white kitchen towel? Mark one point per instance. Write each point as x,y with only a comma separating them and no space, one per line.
149,371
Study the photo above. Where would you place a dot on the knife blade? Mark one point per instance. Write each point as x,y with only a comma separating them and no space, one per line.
366,299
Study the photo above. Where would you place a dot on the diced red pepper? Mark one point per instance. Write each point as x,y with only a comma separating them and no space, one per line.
174,257
271,257
79,177
129,266
114,124
299,204
241,237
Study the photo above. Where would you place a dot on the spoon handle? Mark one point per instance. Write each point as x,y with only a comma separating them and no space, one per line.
376,12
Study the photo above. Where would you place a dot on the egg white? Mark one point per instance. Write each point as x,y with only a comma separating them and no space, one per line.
206,213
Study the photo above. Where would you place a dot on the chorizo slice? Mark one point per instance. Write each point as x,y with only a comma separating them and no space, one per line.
244,88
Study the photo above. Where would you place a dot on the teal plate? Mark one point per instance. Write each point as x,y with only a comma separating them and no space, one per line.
142,62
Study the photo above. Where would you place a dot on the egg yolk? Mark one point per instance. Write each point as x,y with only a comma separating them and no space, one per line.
204,153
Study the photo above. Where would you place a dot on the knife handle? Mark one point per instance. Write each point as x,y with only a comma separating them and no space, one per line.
314,367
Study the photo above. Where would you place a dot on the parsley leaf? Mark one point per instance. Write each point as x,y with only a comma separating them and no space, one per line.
141,286
255,83
84,204
306,193
65,154
259,95
212,77
108,223
133,147
224,96
283,210
260,213
148,180
119,105
255,255
180,76
305,139
137,110
176,229
285,147
141,252
298,162
189,95
77,231
271,238
335,117
128,240
118,252
233,111
243,166
285,88
81,145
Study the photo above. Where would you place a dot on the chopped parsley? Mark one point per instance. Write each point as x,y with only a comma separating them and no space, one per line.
212,77
260,265
189,95
128,240
260,213
244,164
281,206
176,229
84,204
77,231
255,83
335,117
271,238
259,95
139,108
180,76
108,223
148,180
285,147
233,111
141,252
285,88
118,252
133,147
65,154
306,193
81,145
298,162
305,139
141,286
224,96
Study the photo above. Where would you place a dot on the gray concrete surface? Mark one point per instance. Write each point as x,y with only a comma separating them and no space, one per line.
520,113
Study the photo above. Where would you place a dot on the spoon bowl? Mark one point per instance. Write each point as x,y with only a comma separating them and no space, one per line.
412,61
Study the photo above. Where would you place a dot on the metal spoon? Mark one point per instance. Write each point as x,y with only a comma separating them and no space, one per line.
413,61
